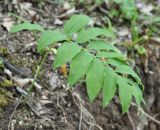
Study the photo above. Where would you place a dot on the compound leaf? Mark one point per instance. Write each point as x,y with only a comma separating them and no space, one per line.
65,53
26,26
76,23
102,45
109,86
125,93
79,66
95,78
50,37
92,33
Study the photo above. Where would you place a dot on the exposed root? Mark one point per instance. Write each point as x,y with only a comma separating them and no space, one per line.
150,117
145,116
15,108
63,111
85,116
131,120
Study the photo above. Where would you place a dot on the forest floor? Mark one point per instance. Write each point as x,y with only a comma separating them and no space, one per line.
54,106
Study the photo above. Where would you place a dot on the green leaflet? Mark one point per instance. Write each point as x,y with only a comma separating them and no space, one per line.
65,53
115,62
111,55
75,24
133,90
125,93
127,70
94,78
50,37
102,45
92,33
79,66
109,86
26,26
136,91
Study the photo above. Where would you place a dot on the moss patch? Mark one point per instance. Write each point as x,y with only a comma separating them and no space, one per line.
4,98
6,83
3,51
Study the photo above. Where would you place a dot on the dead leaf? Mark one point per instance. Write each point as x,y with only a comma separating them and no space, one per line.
7,23
64,70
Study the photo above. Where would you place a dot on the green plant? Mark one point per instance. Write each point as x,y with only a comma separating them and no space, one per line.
127,7
102,64
1,63
129,11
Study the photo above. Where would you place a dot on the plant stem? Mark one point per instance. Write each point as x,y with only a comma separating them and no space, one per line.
136,42
38,70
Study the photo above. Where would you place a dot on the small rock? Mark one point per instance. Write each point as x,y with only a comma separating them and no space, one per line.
123,31
58,22
53,81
